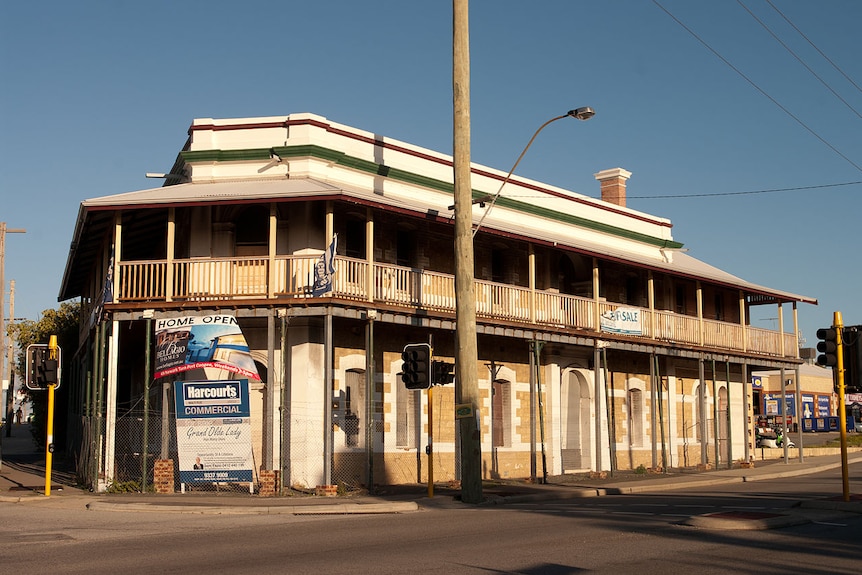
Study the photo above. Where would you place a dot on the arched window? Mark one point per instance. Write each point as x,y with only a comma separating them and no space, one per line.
252,231
352,406
575,275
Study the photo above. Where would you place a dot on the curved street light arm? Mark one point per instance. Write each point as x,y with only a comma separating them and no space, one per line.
584,113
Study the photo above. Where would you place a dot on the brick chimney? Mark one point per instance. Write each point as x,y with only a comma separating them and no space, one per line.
613,185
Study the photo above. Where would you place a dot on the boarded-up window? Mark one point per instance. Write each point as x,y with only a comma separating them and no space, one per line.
501,410
636,417
406,402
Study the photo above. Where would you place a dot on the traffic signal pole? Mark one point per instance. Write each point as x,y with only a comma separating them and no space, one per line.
838,324
832,348
49,434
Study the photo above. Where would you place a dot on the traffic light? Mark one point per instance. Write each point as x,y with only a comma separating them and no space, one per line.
827,346
442,373
42,369
852,358
416,369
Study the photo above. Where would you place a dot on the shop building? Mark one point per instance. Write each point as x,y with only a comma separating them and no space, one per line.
602,344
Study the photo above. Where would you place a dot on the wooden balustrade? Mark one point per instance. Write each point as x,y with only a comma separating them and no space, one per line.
561,310
142,281
293,277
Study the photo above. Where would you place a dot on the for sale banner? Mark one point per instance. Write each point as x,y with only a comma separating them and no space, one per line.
625,320
191,342
214,431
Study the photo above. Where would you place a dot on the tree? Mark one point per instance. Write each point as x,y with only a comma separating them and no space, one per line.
64,323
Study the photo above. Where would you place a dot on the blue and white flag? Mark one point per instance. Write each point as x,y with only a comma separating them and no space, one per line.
106,296
324,269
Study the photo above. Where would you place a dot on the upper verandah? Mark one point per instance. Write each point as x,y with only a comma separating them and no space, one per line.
306,156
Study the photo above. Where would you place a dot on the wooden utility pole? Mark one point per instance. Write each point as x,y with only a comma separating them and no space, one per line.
10,360
9,369
466,354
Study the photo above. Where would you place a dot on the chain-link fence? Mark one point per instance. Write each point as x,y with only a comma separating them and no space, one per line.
205,455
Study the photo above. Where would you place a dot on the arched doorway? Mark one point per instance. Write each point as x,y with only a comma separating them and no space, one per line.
575,423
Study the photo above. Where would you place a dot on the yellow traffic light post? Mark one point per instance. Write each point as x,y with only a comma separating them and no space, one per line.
43,373
832,348
53,356
838,324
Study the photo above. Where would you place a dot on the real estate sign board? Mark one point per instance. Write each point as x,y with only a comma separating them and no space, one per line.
214,431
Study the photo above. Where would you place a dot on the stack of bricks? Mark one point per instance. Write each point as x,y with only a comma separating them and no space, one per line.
327,490
163,476
268,482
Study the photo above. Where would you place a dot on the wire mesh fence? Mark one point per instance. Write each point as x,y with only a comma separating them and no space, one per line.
205,457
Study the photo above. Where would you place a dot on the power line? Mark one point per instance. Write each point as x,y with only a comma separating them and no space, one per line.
756,87
798,59
771,191
819,51
717,194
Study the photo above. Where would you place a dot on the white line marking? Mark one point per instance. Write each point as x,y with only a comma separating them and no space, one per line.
827,523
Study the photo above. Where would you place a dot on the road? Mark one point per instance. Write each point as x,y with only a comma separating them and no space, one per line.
640,534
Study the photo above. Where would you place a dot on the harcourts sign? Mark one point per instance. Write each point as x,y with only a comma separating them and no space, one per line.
217,391
214,431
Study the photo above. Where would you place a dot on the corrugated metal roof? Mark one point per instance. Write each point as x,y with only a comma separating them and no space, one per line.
250,190
203,192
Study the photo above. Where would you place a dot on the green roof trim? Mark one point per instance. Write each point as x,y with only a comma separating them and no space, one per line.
359,164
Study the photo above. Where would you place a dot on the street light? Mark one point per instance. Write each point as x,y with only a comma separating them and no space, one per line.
584,113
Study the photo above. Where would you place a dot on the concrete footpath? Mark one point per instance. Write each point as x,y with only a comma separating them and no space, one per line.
22,481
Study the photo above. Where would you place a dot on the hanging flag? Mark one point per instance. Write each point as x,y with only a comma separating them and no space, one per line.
107,295
192,342
324,270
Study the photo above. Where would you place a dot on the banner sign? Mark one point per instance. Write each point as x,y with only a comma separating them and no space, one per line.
191,342
807,405
824,402
790,400
214,431
625,320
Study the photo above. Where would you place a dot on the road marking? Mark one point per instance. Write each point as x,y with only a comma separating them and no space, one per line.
830,524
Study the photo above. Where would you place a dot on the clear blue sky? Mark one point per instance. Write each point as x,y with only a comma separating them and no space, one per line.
95,94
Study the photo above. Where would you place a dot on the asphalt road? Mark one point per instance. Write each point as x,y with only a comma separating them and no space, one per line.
643,534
